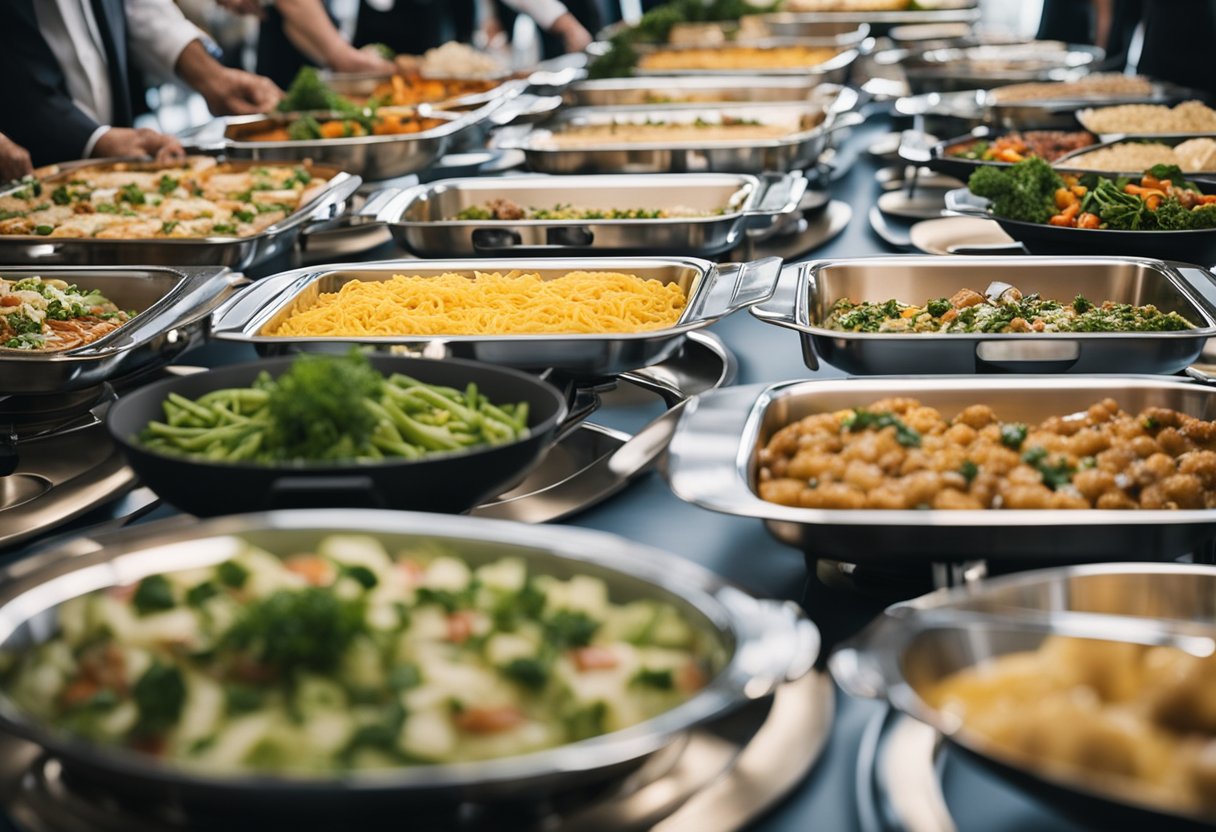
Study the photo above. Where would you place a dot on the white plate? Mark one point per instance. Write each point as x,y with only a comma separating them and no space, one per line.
934,236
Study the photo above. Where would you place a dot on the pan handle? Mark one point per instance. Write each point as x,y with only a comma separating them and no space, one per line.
388,204
844,121
1202,282
961,201
777,642
782,194
236,311
324,492
739,285
1027,356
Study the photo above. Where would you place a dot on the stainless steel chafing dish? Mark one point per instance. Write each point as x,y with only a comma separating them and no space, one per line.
173,306
423,218
713,464
833,70
993,65
233,252
810,126
693,89
762,644
713,291
371,157
1070,161
807,291
914,646
880,22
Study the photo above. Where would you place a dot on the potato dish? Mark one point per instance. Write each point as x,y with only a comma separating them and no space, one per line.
197,198
898,454
349,657
1114,716
737,57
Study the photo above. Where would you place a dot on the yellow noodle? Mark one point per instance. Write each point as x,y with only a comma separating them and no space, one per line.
490,304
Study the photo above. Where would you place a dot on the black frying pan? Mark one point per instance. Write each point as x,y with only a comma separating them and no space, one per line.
450,482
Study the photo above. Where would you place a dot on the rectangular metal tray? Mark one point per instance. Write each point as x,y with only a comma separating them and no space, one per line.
651,91
178,300
1068,161
421,217
233,252
810,124
713,291
712,463
834,70
791,22
806,292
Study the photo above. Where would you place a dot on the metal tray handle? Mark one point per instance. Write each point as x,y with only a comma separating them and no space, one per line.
328,205
1202,281
962,202
782,195
235,313
738,285
782,308
388,204
777,642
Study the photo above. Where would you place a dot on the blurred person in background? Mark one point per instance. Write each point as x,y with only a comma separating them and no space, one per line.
66,65
565,27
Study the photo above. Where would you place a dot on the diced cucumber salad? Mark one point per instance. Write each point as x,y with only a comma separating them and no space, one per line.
349,657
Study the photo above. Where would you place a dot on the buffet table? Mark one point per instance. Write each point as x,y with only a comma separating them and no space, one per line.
743,551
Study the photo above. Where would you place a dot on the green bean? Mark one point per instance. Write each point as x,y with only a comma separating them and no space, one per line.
198,412
175,431
512,421
247,447
409,382
396,448
406,400
235,395
429,437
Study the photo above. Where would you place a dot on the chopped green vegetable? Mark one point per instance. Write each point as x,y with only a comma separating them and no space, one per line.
861,419
154,594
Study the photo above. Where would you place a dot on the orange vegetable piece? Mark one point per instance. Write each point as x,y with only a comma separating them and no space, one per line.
1153,201
594,657
460,626
1088,220
488,720
690,678
1064,197
81,689
1009,155
316,571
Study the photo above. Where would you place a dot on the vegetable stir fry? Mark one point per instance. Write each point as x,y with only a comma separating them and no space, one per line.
969,311
1014,147
38,314
329,409
1030,191
505,209
349,119
348,657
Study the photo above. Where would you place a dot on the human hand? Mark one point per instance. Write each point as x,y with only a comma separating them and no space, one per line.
250,7
231,92
127,141
360,60
574,37
14,160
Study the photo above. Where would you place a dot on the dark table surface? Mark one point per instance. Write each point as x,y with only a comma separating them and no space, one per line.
743,551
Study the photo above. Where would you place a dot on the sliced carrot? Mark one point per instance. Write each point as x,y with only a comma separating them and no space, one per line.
1065,197
488,720
594,658
1079,190
1153,201
1010,155
317,571
1088,220
1207,199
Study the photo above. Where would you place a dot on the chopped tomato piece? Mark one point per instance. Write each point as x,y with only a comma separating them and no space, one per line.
317,571
460,626
594,658
489,720
10,300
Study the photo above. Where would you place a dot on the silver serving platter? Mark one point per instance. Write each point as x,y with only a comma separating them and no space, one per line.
915,645
713,291
233,252
370,157
1134,129
834,70
880,22
174,305
1069,161
994,65
422,218
712,463
807,292
761,645
810,127
665,90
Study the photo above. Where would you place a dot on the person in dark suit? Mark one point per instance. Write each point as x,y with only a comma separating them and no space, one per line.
66,69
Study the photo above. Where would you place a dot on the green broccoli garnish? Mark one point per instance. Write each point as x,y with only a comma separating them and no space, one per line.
318,409
309,92
294,630
1024,191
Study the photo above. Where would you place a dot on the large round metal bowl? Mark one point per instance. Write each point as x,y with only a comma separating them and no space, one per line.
915,645
452,482
762,644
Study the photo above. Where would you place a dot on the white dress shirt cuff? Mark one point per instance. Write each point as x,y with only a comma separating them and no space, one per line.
93,139
544,12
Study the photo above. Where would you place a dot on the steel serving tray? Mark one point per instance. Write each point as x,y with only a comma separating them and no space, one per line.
807,292
1069,160
880,22
915,645
834,70
810,127
760,644
233,252
994,65
713,292
712,463
940,160
173,305
693,89
422,218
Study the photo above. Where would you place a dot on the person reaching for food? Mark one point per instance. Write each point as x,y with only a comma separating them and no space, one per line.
66,65
14,160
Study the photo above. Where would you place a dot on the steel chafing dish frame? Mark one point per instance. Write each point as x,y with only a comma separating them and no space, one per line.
807,291
713,463
964,68
764,643
916,644
665,90
713,291
422,218
799,149
1067,162
174,306
233,252
792,22
834,70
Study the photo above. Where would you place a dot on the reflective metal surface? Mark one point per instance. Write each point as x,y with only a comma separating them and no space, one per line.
691,89
834,70
994,65
712,463
807,292
423,219
713,291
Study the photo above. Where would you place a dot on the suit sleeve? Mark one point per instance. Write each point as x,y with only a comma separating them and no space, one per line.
39,113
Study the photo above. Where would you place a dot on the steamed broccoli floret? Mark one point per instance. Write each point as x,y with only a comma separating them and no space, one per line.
318,407
1024,191
309,92
1172,174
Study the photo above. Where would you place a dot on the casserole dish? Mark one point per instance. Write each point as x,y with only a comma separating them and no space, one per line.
691,89
762,643
834,70
713,463
453,482
993,65
941,160
880,22
713,291
1074,160
173,306
915,645
718,208
807,291
231,251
